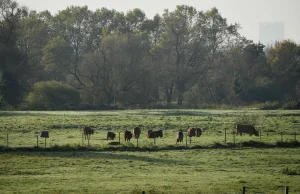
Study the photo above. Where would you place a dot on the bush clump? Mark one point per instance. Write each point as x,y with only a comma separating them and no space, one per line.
52,95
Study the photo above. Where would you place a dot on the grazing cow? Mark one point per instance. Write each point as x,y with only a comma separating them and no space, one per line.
179,137
137,132
194,132
155,134
111,135
191,132
127,136
87,131
198,132
240,129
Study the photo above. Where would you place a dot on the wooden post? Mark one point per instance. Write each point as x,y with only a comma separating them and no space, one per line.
260,135
286,190
295,136
186,140
233,138
82,138
225,135
244,190
281,137
154,138
37,141
6,140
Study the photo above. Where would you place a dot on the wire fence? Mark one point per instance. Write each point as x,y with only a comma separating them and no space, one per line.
206,139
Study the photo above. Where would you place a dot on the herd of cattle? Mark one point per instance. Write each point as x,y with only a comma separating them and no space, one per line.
191,132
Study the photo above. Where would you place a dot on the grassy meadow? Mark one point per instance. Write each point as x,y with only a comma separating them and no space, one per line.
199,167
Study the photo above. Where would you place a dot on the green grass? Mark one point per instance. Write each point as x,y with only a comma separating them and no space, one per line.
68,166
172,171
65,127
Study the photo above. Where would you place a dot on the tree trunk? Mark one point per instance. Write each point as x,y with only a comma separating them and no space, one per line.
181,90
169,93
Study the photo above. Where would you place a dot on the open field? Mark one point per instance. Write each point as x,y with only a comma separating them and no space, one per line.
177,169
173,171
65,127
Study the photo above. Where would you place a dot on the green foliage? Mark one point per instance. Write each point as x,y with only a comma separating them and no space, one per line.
123,60
270,105
52,95
237,88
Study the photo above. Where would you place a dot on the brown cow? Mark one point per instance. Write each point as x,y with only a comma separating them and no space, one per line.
155,134
250,129
137,132
111,135
127,136
87,131
194,132
191,132
179,137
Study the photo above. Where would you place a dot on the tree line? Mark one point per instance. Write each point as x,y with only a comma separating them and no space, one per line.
83,59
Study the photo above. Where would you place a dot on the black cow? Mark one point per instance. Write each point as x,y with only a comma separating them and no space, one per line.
155,134
250,129
87,131
136,132
111,135
127,136
179,137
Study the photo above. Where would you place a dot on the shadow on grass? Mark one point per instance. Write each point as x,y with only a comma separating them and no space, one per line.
130,148
25,113
83,152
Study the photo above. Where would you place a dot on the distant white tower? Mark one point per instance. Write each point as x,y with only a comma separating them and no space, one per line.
269,32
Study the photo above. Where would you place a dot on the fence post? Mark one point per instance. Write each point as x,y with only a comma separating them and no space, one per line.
82,138
260,134
295,136
186,140
244,190
37,141
6,140
154,138
281,137
225,135
233,138
286,190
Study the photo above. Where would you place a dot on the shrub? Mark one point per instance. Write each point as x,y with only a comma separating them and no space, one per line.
52,95
270,105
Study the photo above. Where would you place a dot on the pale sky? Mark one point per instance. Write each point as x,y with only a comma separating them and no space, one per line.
248,13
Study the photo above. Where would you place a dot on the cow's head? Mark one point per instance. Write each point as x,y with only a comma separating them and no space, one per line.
256,133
